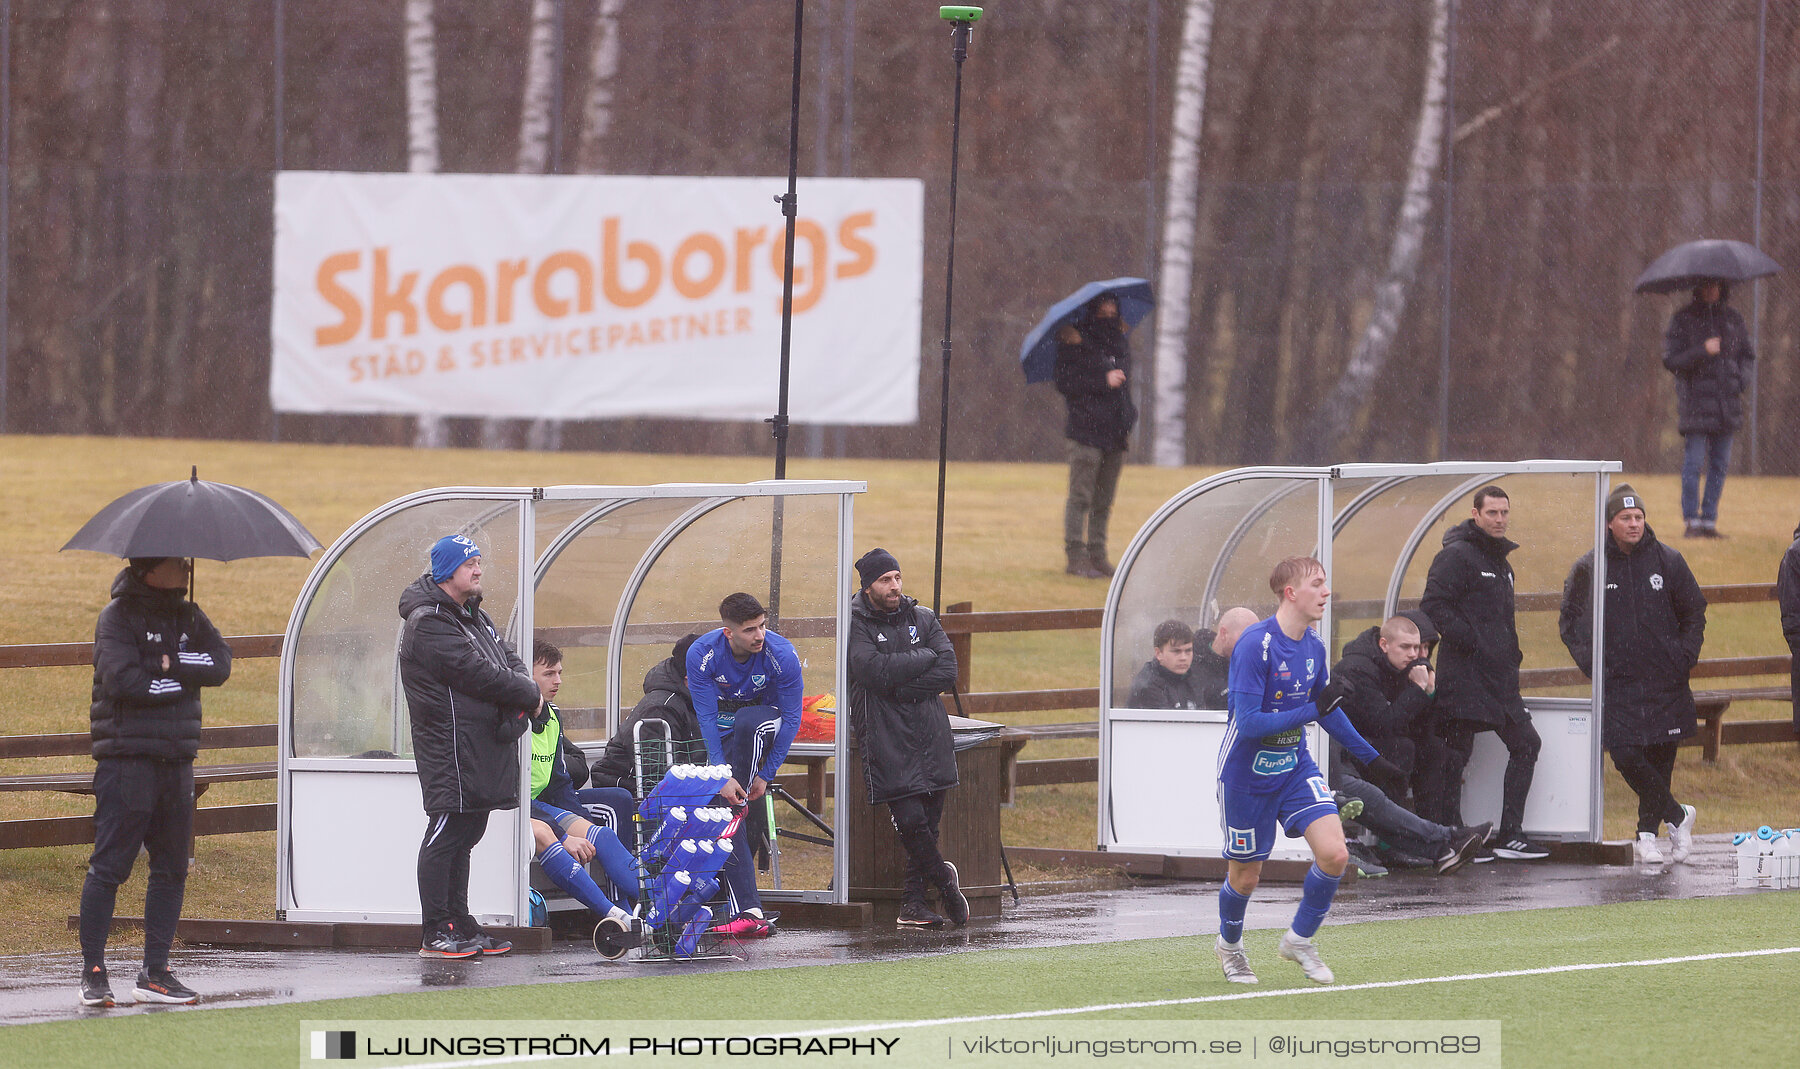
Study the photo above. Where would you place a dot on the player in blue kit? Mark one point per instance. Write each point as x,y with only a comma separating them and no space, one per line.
1279,682
746,686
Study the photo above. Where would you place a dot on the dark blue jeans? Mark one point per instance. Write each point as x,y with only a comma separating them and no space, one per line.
1714,452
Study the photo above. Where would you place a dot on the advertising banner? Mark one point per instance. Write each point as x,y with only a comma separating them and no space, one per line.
594,296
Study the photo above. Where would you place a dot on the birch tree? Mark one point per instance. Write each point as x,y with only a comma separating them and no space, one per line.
1175,280
1352,391
603,71
534,158
429,431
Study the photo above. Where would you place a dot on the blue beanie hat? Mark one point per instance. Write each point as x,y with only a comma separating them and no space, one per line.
448,554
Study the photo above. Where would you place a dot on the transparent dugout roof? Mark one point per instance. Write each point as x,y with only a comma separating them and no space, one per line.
614,576
1211,547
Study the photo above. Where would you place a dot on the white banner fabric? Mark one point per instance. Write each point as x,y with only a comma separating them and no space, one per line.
587,297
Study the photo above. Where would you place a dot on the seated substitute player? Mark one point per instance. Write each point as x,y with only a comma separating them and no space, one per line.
746,687
1279,683
564,839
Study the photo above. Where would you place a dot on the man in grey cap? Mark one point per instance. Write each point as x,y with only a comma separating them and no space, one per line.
1655,621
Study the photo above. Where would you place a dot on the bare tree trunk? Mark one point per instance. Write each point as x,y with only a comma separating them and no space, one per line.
596,113
1352,391
429,431
1176,277
534,158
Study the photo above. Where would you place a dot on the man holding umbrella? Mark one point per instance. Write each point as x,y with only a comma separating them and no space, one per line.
1093,361
1708,349
153,651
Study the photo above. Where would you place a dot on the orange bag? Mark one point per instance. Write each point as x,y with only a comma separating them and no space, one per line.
818,718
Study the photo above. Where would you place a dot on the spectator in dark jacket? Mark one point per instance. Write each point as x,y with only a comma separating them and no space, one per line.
1469,596
665,702
1093,365
1787,589
899,661
1655,621
1393,685
470,698
1196,679
1708,349
1166,680
153,651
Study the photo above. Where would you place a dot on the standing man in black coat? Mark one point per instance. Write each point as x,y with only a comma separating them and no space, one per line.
1469,596
1655,622
153,651
470,698
1787,591
1708,349
1093,365
900,660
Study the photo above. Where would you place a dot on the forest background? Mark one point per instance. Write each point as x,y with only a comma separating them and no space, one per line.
1575,140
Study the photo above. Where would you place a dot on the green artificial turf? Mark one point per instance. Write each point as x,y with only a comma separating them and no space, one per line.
1734,1011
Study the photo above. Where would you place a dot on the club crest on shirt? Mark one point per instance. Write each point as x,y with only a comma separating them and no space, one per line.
1655,581
758,680
913,630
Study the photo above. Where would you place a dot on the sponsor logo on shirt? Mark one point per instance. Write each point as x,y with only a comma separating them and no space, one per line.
1489,575
153,636
1290,737
1269,763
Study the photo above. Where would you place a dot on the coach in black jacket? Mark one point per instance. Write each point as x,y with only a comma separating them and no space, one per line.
1469,596
1655,622
153,651
470,698
899,661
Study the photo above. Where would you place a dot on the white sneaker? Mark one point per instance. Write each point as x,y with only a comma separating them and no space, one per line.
1302,952
1681,836
1644,850
1235,963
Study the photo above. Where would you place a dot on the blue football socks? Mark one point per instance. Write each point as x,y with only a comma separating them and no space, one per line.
571,877
621,868
1315,901
1231,914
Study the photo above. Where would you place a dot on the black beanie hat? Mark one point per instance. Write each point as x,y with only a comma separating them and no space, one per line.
1623,497
874,564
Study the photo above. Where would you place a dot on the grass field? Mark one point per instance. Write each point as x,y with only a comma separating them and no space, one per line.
1558,982
1003,536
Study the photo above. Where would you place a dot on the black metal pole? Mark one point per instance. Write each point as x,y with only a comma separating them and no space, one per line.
959,51
779,422
789,208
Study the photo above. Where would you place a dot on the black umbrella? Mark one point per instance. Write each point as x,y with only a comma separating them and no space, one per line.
1709,260
195,519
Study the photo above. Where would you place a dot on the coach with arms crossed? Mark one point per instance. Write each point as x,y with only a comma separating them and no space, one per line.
900,660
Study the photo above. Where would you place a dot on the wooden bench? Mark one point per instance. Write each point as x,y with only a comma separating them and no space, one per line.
72,831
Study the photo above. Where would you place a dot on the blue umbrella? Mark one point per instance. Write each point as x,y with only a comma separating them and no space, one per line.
1037,356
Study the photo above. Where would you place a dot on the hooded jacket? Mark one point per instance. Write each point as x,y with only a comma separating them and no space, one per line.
1469,596
665,698
899,663
1385,704
1655,623
1787,592
141,709
1708,388
1099,416
460,679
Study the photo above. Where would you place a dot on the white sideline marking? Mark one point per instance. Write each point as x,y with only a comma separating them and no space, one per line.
1103,1007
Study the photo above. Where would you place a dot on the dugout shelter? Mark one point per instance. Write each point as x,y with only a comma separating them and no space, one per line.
613,575
1376,527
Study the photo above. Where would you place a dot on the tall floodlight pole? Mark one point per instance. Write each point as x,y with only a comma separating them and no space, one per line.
779,421
962,20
